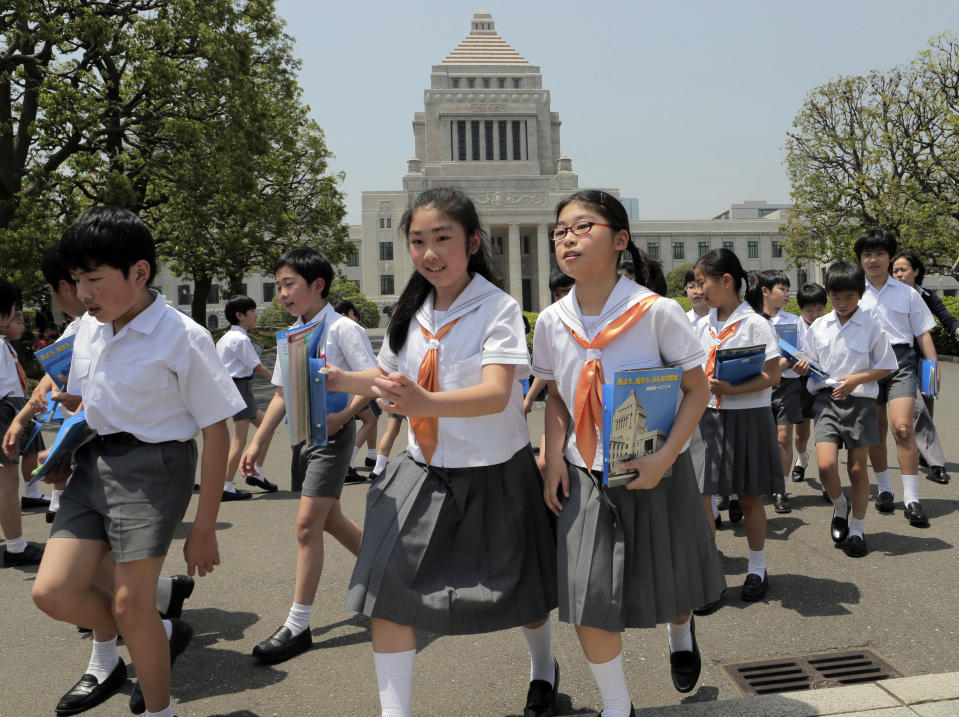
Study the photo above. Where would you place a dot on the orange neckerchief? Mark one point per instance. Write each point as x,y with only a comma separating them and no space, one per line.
426,428
724,334
588,408
21,374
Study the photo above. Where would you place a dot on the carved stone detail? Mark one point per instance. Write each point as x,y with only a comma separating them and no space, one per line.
488,107
510,199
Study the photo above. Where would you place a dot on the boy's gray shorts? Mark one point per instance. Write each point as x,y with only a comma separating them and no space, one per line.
320,471
128,493
904,381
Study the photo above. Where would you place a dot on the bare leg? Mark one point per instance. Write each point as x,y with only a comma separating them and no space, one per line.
877,453
240,431
900,417
859,477
828,457
708,505
599,645
10,521
755,514
312,521
393,426
64,587
802,435
784,434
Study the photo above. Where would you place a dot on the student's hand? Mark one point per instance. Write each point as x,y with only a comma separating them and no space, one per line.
336,421
251,458
801,367
527,403
37,404
67,399
555,475
11,439
718,387
333,374
399,394
651,470
59,472
846,386
201,552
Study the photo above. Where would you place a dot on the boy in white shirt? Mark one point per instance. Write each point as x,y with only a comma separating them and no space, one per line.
149,380
812,304
242,361
850,346
694,293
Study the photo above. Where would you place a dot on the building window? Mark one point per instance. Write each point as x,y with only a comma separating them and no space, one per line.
386,284
488,137
382,223
461,140
183,294
777,250
486,82
456,83
679,250
703,247
389,222
948,292
386,251
526,245
752,249
212,321
516,140
729,245
516,82
498,245
501,82
502,140
475,137
352,259
652,248
214,296
269,287
471,83
802,278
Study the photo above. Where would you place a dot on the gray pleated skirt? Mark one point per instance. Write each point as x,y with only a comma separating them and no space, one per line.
742,452
456,551
635,558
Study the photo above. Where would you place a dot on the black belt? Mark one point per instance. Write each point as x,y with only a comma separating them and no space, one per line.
119,439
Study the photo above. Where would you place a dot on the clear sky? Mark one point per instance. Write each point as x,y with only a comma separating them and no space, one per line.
684,104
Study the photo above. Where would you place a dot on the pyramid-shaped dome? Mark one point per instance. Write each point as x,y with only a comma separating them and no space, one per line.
483,46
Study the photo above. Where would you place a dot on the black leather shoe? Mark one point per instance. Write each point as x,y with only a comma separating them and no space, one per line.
718,520
27,503
179,639
263,483
723,503
31,555
51,514
755,588
914,514
229,495
685,665
181,589
839,528
710,607
799,474
781,503
353,476
735,511
374,477
541,696
938,474
281,645
884,502
369,462
88,693
855,547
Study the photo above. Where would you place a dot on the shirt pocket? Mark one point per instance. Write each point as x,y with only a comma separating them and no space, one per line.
145,379
464,373
902,321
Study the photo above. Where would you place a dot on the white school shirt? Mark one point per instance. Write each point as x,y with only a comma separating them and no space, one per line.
662,338
752,331
159,378
237,353
694,319
784,318
489,331
9,378
347,345
844,349
899,309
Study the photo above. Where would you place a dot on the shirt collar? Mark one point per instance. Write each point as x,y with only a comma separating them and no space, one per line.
857,319
740,312
237,327
471,298
146,321
625,294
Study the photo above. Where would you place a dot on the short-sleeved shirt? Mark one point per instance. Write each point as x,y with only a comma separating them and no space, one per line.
9,378
899,309
489,330
784,318
844,349
159,378
237,353
694,319
663,337
753,330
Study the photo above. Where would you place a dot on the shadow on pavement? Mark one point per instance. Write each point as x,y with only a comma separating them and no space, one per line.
706,693
182,531
811,596
898,544
362,635
564,706
780,527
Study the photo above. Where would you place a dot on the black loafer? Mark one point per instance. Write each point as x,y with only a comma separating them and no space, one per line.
181,589
914,514
353,476
718,520
884,502
685,665
262,483
855,546
238,494
938,475
710,607
755,587
369,462
374,477
51,514
799,474
281,646
781,503
31,555
179,639
541,696
723,503
839,528
27,503
735,511
88,693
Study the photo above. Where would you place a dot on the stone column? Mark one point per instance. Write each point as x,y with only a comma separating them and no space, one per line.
543,249
515,267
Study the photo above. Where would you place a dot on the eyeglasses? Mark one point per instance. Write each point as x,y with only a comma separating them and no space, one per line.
578,229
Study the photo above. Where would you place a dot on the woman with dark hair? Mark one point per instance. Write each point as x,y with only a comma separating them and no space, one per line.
908,269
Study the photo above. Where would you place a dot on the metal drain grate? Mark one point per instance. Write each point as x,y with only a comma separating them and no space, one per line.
809,671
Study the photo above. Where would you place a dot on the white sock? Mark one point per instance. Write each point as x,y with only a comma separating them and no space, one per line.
259,471
356,449
381,462
840,506
910,489
54,500
394,678
228,487
856,525
164,590
540,643
33,491
611,681
371,453
802,460
103,659
882,480
299,618
168,712
733,496
680,636
16,545
168,628
715,508
757,562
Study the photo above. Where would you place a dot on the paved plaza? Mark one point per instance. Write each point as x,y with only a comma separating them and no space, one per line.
900,600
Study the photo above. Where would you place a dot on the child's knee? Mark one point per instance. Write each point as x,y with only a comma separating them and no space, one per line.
902,431
50,598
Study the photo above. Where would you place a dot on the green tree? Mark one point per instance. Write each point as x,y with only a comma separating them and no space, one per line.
676,280
345,290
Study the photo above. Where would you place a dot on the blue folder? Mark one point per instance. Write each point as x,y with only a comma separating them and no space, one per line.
738,365
929,374
72,434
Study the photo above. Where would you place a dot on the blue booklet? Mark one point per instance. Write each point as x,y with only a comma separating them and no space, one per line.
794,356
739,364
788,332
56,359
639,407
73,433
929,374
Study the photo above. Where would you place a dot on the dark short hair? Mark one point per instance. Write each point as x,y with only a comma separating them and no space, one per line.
344,307
845,276
690,276
809,294
722,261
9,297
559,280
914,261
769,278
876,240
238,305
54,270
111,236
309,263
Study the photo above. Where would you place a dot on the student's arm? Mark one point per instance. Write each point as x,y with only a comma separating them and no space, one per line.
200,550
255,450
939,310
766,378
263,372
850,382
557,428
535,389
36,404
399,394
336,421
355,382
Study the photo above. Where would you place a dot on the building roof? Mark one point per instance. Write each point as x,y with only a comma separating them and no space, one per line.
483,46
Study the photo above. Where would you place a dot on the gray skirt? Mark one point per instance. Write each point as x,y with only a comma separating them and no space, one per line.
635,558
456,551
742,452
